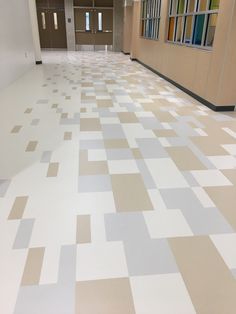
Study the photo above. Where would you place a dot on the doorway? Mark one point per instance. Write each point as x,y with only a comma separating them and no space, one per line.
52,25
93,24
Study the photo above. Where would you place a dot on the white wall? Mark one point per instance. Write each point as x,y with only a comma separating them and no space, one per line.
16,43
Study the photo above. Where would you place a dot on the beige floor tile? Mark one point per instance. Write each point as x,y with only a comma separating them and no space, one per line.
64,115
225,199
53,169
87,84
127,117
31,146
208,146
84,97
231,175
110,82
111,296
16,129
210,283
164,116
28,110
130,193
83,234
90,124
137,154
33,266
18,207
91,167
104,103
116,144
67,136
185,159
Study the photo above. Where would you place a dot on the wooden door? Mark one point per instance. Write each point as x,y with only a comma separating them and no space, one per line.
58,28
103,23
44,28
84,26
52,25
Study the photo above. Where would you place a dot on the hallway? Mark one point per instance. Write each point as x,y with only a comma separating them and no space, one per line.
117,193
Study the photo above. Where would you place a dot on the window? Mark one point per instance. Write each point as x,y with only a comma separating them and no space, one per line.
87,21
150,19
43,20
100,21
55,21
193,22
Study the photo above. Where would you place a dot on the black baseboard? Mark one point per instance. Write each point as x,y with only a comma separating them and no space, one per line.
38,62
187,91
125,53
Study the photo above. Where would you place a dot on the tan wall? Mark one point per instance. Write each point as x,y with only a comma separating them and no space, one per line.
200,71
227,86
128,22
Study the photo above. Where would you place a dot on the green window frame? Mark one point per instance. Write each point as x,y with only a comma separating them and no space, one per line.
150,19
193,22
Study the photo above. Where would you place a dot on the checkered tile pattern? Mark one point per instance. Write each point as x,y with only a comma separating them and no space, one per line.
117,193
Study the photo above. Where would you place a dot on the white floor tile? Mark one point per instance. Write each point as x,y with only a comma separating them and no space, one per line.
122,166
210,178
167,224
101,261
164,294
165,173
226,246
97,155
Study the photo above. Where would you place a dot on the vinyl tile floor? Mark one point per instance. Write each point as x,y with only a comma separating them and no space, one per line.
117,193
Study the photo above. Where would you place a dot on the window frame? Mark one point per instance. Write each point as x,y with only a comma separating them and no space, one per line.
207,13
154,19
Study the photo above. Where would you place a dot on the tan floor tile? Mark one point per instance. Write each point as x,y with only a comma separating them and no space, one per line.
64,115
230,174
225,199
136,95
90,124
127,117
91,167
83,234
111,296
18,207
210,283
33,266
54,106
137,154
130,193
152,107
208,146
185,159
67,136
87,84
16,129
53,169
84,97
110,82
165,133
104,103
31,146
116,144
83,110
164,116
28,110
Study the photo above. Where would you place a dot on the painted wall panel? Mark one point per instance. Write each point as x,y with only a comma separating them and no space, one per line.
16,42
